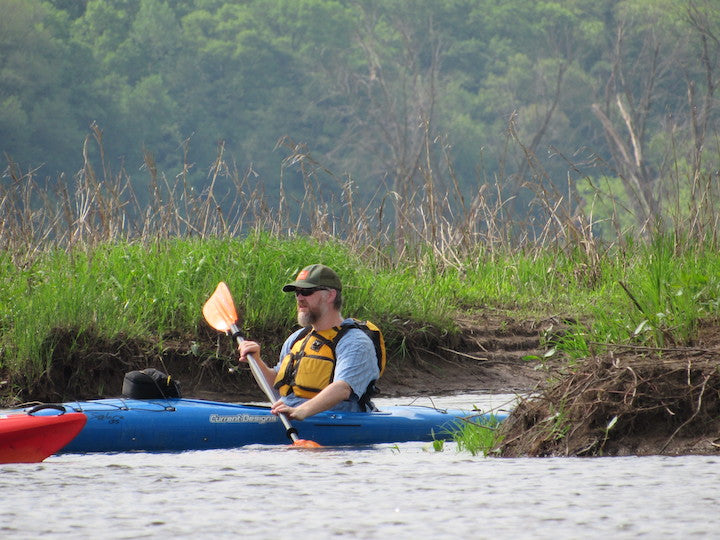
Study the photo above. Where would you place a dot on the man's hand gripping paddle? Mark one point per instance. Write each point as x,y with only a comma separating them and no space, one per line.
219,311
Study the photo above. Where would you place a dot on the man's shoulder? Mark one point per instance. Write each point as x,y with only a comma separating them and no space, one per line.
353,334
352,326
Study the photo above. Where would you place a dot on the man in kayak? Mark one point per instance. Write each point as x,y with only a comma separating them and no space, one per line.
330,363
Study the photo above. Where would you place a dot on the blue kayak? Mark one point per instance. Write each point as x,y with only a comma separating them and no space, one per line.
170,425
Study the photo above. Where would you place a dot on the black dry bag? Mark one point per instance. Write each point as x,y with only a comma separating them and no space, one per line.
149,383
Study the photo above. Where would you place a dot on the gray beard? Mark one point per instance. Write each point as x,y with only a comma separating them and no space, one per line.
307,318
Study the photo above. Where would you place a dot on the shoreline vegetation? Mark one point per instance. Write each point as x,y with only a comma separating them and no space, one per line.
616,340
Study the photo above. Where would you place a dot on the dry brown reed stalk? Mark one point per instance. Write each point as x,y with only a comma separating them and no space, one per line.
326,207
93,210
698,217
22,228
429,210
567,225
401,219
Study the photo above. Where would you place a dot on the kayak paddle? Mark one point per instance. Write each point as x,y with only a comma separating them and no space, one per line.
219,311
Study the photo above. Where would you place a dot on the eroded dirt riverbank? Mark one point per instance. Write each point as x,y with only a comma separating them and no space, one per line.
491,354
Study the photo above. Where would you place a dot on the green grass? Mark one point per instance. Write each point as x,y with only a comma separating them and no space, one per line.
157,289
150,291
475,436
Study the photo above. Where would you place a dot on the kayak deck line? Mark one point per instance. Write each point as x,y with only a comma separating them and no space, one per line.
161,405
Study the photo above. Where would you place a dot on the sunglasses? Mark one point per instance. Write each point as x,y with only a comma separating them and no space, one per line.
308,292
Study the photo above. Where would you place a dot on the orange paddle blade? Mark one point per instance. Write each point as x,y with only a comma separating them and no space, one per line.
304,443
219,310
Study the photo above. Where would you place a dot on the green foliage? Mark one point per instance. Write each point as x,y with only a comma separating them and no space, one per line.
573,344
671,293
477,437
655,298
37,82
364,85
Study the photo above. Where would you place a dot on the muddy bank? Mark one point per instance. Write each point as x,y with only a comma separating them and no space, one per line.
626,401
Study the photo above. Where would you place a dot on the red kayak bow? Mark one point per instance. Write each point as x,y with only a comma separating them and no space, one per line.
29,438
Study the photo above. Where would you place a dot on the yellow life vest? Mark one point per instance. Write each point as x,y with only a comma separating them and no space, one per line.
310,365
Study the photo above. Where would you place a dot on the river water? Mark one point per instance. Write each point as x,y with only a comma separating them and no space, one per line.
386,491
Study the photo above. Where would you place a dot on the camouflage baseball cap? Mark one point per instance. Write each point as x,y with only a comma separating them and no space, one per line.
315,275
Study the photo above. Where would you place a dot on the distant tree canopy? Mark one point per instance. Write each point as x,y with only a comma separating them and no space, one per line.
478,91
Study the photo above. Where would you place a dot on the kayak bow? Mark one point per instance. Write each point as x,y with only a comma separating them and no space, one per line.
29,438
